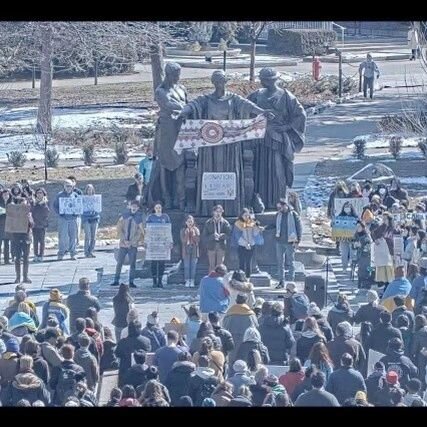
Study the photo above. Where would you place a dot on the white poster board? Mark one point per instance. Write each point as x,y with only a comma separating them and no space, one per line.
277,370
158,240
71,205
373,357
219,186
398,249
357,202
92,203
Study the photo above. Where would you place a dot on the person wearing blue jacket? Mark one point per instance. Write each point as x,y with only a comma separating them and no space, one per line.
144,168
90,221
400,286
214,296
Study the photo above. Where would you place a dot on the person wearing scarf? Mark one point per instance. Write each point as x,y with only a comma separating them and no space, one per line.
22,319
190,238
55,307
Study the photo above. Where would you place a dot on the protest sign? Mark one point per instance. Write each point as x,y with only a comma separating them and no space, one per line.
92,203
17,218
398,249
373,357
219,186
344,227
158,240
71,205
358,204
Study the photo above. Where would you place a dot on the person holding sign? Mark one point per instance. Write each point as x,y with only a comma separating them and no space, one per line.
90,221
67,222
130,231
158,266
21,242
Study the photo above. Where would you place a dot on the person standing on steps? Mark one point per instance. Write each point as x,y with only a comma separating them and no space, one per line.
5,199
21,247
78,192
369,68
190,238
67,224
215,234
130,230
40,212
90,221
144,168
158,267
288,236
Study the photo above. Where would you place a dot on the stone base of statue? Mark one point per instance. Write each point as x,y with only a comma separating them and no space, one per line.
261,279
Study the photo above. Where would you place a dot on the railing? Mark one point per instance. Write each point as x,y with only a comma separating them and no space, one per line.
342,31
297,25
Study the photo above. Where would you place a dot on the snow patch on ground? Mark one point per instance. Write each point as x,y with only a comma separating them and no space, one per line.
381,141
414,180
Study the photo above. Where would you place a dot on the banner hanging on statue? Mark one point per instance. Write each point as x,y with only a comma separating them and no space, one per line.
195,134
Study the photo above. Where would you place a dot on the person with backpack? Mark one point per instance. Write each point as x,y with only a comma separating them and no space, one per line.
203,382
241,376
252,350
288,236
153,332
65,376
216,357
401,309
296,304
55,307
311,334
227,342
340,312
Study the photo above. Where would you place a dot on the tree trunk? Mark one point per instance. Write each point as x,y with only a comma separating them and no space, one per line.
252,63
156,57
44,113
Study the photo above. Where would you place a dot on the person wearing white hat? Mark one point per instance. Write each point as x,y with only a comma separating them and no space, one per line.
67,222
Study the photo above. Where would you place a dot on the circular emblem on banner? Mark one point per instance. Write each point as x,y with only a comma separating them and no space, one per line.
212,133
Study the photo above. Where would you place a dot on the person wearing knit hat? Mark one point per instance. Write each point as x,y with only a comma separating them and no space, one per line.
240,366
392,378
314,310
371,311
208,402
56,308
12,346
154,332
258,306
9,362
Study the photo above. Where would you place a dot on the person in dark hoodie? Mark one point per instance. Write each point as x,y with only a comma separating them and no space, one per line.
178,379
345,382
40,366
317,396
127,346
87,361
136,375
153,332
115,397
122,303
277,335
324,326
390,393
401,308
375,381
370,312
5,199
40,212
203,382
340,312
385,197
65,377
108,359
311,334
395,360
345,343
403,325
227,342
383,333
397,192
26,385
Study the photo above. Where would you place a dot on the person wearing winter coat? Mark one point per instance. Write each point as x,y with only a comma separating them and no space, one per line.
414,387
419,342
22,321
260,390
345,382
237,283
238,318
390,393
371,311
62,387
251,344
340,312
122,303
375,381
417,293
9,362
55,307
311,334
400,286
79,302
26,385
411,242
345,343
293,377
136,375
84,358
154,395
166,356
205,330
108,359
305,385
178,379
216,357
395,360
130,231
223,394
192,323
320,358
153,332
339,192
40,366
277,336
241,376
246,236
203,382
214,296
127,346
40,213
48,349
317,396
400,309
361,245
324,326
227,342
383,333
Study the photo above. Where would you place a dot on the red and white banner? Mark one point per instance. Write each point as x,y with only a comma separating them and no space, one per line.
196,134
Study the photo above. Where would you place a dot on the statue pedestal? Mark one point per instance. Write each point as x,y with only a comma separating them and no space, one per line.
261,280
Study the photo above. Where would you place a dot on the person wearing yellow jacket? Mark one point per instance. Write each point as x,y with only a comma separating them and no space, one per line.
400,286
130,231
